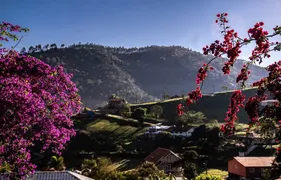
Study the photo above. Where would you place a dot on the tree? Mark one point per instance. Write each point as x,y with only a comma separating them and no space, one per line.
139,114
31,50
125,110
190,156
149,168
36,104
213,123
269,85
46,47
53,46
190,117
190,170
23,50
156,111
38,48
57,163
100,168
199,133
165,96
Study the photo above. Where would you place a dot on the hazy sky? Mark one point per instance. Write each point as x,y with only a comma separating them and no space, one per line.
135,23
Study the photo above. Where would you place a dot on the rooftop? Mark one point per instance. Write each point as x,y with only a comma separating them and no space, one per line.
52,175
255,161
158,153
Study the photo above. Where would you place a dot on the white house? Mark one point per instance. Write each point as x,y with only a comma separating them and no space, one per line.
156,129
181,131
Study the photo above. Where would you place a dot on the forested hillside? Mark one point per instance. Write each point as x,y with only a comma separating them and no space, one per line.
137,74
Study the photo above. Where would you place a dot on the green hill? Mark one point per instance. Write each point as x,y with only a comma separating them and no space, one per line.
137,74
213,106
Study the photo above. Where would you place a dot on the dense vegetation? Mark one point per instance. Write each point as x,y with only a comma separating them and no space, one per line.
136,74
208,104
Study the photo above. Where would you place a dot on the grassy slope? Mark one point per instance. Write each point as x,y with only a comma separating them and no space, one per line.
119,131
213,106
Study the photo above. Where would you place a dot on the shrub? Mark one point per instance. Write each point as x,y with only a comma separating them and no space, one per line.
208,177
156,111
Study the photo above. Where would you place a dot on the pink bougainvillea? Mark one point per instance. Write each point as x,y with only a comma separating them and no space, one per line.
36,103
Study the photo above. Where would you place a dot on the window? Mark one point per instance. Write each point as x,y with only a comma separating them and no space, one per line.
235,166
251,170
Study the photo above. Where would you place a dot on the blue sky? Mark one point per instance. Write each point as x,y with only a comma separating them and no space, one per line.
135,23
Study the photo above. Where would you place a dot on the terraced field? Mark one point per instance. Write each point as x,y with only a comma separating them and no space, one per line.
114,129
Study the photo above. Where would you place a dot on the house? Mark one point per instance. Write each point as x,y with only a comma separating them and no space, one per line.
52,175
248,167
165,159
154,130
180,131
116,102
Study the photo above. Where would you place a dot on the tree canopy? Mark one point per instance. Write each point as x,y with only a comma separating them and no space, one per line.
36,104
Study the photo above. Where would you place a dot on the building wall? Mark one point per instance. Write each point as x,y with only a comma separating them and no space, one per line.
170,158
254,172
235,167
166,163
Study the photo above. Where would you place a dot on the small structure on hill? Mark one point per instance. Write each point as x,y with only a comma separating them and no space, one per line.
116,102
166,160
181,131
248,167
153,130
176,131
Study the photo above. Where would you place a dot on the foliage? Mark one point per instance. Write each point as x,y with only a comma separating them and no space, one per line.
190,155
156,111
125,110
266,173
213,123
199,133
56,163
191,117
36,104
5,168
208,177
109,131
139,114
190,170
155,177
100,168
267,87
149,168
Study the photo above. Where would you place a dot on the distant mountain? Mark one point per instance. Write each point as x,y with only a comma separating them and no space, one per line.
137,74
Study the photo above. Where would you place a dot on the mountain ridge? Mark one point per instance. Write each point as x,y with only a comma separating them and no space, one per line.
137,74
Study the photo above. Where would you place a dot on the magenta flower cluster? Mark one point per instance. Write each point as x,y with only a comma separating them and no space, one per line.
36,103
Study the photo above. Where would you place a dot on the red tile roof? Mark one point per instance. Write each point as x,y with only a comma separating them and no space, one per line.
157,154
255,161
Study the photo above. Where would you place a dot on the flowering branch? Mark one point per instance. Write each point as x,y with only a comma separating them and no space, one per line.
231,47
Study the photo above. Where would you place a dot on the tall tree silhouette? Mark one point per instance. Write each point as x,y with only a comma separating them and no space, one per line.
23,50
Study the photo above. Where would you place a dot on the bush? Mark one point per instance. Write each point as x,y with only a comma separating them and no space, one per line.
190,170
208,177
139,114
125,111
156,111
